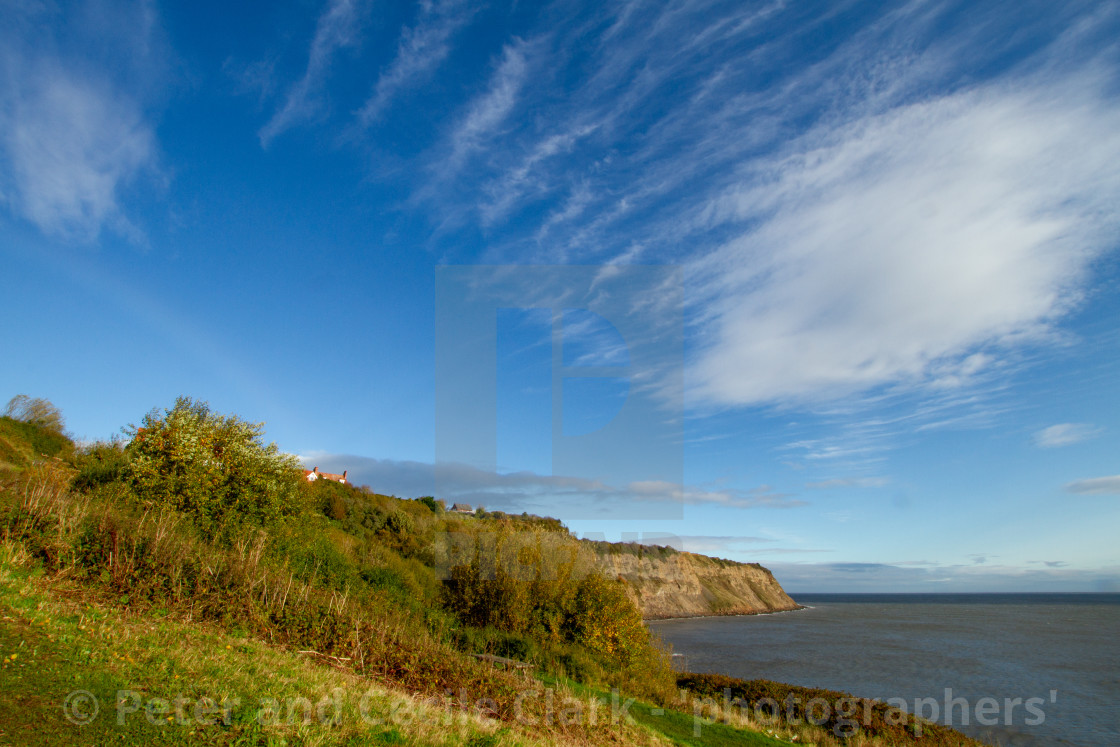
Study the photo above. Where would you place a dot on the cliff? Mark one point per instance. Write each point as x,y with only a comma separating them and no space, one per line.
682,584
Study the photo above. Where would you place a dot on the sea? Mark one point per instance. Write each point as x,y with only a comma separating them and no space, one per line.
1016,670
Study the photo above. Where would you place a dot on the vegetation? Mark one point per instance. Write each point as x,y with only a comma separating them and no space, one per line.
196,520
841,716
153,678
30,429
194,552
656,552
212,468
37,412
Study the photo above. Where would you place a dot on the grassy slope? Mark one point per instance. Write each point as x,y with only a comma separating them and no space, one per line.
22,443
54,641
679,727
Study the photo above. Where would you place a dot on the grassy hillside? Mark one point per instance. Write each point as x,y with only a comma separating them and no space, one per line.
192,564
22,444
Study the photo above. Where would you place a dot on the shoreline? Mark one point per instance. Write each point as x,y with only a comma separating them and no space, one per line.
798,608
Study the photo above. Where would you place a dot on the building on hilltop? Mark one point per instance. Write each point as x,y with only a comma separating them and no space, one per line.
462,508
314,474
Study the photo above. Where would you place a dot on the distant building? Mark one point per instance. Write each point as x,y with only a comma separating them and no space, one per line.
314,474
462,508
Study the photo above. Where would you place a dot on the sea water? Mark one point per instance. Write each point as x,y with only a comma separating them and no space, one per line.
1059,654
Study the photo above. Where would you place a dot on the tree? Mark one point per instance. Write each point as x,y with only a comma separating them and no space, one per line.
434,505
607,621
36,411
215,468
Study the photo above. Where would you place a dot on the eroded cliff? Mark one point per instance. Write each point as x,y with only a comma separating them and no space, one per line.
681,584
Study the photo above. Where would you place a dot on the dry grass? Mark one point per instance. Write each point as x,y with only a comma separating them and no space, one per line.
283,697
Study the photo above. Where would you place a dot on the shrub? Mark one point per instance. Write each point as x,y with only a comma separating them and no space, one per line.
99,464
606,621
844,716
435,506
214,468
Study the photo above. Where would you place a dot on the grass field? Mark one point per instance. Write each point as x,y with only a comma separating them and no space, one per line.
77,673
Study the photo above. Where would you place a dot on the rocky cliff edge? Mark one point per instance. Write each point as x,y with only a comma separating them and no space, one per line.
683,584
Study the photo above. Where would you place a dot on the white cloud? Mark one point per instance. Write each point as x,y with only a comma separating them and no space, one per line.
74,132
848,482
72,146
486,113
762,496
509,188
892,248
421,50
929,223
1096,486
1064,434
338,27
552,495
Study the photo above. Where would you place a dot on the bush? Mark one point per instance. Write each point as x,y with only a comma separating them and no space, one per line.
606,620
99,464
844,715
214,468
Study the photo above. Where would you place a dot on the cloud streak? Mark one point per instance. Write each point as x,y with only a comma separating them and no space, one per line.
338,27
486,113
1096,486
873,222
910,246
1065,434
422,49
554,495
848,482
74,132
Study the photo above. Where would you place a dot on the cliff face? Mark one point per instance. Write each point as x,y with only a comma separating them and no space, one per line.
688,585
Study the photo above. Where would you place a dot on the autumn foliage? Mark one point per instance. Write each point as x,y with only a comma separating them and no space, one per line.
214,468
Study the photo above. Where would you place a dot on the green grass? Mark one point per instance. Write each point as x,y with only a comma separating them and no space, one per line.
678,727
148,674
151,677
687,729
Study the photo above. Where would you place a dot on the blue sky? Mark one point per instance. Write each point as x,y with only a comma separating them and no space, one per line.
890,235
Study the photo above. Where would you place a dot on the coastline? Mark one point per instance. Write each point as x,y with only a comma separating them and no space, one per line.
670,618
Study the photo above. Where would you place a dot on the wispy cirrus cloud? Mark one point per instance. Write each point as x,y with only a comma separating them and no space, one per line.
1065,434
422,49
742,547
75,130
880,219
910,246
848,482
73,146
1095,486
339,26
486,113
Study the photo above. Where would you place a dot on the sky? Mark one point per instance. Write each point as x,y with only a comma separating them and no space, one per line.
829,286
